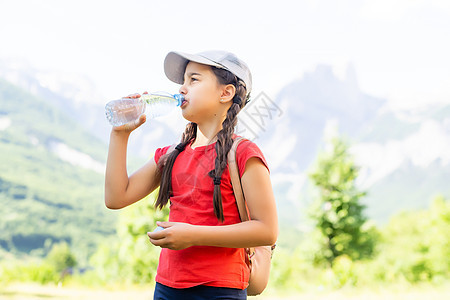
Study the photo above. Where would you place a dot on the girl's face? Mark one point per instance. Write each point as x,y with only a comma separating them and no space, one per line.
203,95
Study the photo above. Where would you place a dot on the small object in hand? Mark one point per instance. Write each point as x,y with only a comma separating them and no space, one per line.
159,228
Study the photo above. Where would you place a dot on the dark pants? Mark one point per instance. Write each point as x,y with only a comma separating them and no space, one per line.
163,292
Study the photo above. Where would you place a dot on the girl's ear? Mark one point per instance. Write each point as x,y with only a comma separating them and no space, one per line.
228,93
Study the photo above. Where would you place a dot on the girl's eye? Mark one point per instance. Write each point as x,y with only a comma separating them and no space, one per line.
193,79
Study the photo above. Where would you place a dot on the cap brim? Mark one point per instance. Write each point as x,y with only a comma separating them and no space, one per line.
175,64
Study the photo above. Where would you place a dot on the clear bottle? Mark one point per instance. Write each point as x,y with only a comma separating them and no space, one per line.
125,110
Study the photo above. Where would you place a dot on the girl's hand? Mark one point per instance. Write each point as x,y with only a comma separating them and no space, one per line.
175,236
129,127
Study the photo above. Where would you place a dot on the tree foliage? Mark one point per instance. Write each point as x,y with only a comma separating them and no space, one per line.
415,245
338,211
60,257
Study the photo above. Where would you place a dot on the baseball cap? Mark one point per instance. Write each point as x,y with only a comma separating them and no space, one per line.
175,65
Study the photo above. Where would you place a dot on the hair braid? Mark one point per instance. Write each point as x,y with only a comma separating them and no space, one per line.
166,162
224,144
222,147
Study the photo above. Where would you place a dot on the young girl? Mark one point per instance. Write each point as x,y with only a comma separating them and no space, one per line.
203,243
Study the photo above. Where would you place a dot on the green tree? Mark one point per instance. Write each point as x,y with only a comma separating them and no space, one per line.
337,211
60,257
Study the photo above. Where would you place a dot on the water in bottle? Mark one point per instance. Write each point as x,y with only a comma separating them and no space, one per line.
125,110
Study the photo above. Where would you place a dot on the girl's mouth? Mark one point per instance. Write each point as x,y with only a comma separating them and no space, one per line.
183,103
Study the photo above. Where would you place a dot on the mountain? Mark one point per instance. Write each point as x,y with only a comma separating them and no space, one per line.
403,155
51,178
405,160
75,95
72,94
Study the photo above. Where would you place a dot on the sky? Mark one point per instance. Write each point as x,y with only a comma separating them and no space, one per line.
398,48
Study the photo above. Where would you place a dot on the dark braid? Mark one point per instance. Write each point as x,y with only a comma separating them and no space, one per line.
224,136
223,145
166,162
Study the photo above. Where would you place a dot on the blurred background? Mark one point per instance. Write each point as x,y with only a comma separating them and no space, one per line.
350,105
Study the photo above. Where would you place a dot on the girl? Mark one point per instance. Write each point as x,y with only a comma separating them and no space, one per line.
203,243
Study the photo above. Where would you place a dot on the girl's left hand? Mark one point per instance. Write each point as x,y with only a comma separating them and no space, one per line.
175,236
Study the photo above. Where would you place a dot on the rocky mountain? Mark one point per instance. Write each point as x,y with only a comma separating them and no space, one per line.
403,156
75,95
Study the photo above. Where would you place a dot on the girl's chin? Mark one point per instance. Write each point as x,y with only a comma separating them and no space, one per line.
189,117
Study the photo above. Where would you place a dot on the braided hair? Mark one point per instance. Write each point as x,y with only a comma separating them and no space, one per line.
222,147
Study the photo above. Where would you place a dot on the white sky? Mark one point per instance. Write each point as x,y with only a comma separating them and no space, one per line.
400,49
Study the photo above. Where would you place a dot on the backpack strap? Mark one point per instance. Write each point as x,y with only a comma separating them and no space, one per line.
238,191
236,181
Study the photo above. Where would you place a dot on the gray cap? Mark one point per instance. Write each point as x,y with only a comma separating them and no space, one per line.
176,62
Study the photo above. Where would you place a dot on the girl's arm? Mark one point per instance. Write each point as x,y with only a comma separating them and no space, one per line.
121,190
261,230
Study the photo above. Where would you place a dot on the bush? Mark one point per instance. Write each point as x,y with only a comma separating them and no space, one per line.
41,272
61,258
414,246
49,270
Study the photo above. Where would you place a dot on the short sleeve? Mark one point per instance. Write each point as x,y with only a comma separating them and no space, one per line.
160,152
246,150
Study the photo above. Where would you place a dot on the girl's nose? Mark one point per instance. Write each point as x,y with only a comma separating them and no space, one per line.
183,90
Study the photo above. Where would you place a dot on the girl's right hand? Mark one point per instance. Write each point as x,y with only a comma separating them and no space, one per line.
129,127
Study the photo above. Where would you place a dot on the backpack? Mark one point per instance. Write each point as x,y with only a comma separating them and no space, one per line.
259,258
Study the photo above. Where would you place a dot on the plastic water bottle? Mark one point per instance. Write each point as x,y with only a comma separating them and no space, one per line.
125,110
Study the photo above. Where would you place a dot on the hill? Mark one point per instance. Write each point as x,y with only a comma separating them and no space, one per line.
51,178
404,155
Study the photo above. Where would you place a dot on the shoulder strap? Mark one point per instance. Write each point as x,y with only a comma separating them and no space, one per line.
237,189
236,181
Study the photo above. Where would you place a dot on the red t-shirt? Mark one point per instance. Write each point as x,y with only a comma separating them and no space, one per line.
192,202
